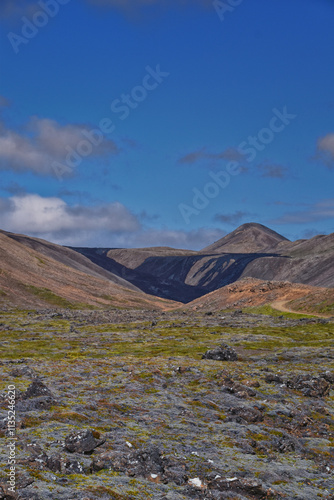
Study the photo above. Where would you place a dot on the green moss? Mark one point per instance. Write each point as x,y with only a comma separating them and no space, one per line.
102,490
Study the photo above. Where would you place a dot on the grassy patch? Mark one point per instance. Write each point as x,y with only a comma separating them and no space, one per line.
270,311
48,296
55,300
323,307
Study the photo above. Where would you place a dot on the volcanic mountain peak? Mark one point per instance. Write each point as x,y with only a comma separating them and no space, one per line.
248,238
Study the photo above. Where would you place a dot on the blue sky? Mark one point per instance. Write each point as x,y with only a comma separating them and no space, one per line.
146,123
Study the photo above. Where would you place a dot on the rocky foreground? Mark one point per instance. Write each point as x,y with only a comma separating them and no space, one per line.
143,404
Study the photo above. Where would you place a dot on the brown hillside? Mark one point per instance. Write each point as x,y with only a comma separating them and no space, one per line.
29,278
250,292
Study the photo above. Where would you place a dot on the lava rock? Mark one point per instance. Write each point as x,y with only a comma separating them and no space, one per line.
283,444
273,378
33,404
83,442
73,467
222,353
23,371
248,414
143,463
5,494
36,389
329,376
240,485
315,387
54,463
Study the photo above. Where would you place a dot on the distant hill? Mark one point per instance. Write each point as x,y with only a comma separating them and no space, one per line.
248,238
252,250
36,272
303,261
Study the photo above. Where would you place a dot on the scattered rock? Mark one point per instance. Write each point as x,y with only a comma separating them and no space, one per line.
314,387
143,463
283,444
329,376
5,494
73,467
83,442
54,462
239,390
36,389
23,371
273,378
242,486
247,414
36,397
39,403
222,353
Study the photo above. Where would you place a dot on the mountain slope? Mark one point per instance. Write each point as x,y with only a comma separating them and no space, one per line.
248,238
250,292
68,257
305,261
252,250
30,277
36,272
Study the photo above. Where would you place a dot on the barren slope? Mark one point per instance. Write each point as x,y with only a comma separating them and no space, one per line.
250,292
252,250
29,278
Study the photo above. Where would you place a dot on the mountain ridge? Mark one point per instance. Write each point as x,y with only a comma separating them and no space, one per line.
103,277
250,237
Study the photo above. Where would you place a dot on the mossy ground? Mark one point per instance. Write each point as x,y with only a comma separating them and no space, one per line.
141,382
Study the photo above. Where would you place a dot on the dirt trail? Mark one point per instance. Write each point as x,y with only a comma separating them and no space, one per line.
280,305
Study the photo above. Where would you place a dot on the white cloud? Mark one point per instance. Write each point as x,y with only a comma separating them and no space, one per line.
52,218
104,225
44,141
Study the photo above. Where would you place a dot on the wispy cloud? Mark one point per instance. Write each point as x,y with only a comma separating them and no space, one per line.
193,240
232,219
322,210
273,171
310,233
4,102
229,154
43,141
12,10
325,150
134,6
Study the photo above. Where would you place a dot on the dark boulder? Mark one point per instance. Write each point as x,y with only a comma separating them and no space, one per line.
314,387
83,442
222,353
36,389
